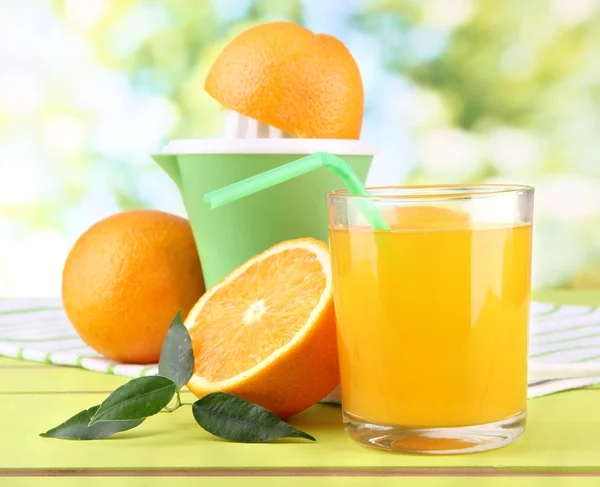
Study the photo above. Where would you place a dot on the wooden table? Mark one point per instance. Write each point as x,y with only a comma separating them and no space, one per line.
562,438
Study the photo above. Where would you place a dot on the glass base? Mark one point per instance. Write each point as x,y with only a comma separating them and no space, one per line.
435,441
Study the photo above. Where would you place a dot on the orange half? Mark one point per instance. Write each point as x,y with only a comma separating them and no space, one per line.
267,331
286,76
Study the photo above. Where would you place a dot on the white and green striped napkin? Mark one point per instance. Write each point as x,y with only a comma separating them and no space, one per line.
564,344
38,330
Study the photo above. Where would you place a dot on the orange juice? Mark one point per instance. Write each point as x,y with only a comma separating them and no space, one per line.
432,319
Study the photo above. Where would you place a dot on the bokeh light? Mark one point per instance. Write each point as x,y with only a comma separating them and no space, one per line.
457,91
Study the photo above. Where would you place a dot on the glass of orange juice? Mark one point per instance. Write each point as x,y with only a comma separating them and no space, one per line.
433,316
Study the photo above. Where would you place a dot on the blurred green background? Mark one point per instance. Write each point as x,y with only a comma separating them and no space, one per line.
456,91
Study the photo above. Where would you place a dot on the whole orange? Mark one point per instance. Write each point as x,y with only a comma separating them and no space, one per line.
286,76
125,279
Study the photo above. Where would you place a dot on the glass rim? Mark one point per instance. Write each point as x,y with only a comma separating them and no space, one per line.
434,192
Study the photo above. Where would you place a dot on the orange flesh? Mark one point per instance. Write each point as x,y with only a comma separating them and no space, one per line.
256,313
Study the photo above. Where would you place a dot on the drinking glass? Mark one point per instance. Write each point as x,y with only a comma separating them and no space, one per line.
433,315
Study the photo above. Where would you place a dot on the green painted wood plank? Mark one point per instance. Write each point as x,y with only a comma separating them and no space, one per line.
562,434
13,362
577,297
301,482
56,379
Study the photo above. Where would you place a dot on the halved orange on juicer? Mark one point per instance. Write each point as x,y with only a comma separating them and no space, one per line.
286,76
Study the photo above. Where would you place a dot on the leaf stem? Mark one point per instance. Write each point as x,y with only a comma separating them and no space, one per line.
178,404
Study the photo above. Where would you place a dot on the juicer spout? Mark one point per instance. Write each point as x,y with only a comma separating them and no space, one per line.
170,165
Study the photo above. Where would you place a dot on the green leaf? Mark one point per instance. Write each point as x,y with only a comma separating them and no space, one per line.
177,356
139,398
76,428
236,419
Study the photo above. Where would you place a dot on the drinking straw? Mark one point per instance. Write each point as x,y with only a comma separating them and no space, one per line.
301,166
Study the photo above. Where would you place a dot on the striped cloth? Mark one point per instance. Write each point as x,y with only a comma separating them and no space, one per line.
39,331
564,344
